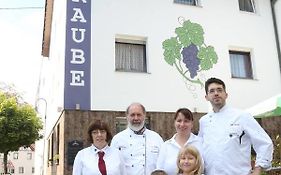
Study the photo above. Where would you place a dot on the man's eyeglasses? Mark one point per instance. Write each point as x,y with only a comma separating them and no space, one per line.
218,90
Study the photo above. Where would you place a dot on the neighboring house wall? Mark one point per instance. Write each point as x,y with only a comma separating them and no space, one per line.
22,162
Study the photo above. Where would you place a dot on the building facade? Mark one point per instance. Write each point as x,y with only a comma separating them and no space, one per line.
20,162
103,55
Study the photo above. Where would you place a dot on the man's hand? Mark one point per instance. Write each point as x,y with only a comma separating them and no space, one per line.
256,171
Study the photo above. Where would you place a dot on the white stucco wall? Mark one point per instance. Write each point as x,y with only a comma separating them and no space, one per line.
163,89
53,80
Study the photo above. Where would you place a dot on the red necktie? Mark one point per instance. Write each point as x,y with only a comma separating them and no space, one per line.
102,167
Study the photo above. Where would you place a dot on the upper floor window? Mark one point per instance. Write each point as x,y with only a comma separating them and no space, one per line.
29,156
16,155
130,56
12,171
241,65
247,5
21,170
188,2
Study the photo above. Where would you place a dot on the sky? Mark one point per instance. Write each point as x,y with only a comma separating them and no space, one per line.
21,31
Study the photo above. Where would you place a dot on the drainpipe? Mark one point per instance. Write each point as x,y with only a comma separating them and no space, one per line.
276,32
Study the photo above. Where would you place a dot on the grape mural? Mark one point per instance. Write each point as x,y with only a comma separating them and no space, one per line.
188,53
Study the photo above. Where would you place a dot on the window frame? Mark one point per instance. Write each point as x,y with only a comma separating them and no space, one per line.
247,65
253,6
15,155
12,171
21,170
187,2
132,44
29,156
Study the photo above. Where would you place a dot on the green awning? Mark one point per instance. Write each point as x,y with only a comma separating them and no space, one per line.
272,113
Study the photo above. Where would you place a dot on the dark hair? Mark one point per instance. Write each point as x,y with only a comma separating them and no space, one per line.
128,108
186,112
213,80
98,124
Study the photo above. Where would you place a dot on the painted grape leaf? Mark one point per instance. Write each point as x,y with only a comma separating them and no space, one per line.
172,50
190,33
208,57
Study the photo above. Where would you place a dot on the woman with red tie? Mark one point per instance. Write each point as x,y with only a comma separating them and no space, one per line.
99,158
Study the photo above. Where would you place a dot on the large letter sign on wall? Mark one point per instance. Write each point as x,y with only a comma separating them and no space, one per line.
77,91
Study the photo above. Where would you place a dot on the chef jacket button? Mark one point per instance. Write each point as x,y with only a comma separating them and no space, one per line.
130,135
143,154
131,154
143,165
130,144
132,165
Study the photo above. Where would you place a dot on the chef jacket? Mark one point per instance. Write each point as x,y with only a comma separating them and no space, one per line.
169,151
86,162
139,152
227,139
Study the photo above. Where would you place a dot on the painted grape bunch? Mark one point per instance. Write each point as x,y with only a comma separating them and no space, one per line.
188,52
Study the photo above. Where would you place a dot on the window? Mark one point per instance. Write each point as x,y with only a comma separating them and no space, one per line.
21,170
49,152
58,143
188,2
12,171
29,156
241,66
247,5
16,155
130,56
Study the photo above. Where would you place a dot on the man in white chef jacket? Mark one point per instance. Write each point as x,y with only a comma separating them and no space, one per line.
138,145
228,135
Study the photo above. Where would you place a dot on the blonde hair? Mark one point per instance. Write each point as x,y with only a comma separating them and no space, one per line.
194,152
158,172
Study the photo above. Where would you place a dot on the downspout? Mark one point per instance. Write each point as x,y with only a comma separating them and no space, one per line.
276,32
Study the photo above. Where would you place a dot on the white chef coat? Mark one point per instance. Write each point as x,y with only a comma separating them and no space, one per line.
86,162
167,159
227,138
139,152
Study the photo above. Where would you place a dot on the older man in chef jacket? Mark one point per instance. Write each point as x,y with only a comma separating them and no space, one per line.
138,145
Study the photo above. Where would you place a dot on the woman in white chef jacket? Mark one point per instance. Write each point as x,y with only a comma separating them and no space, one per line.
183,122
86,160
